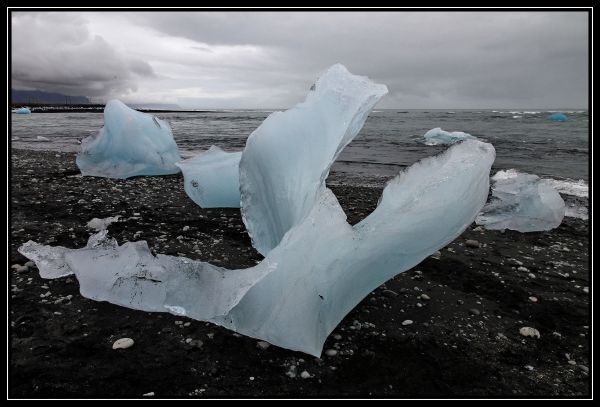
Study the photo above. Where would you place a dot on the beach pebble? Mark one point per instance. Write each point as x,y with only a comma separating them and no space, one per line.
19,269
425,297
331,352
29,264
390,293
148,394
529,331
123,343
584,368
436,255
305,375
533,299
474,311
262,345
472,243
585,289
523,269
531,275
186,228
407,322
528,367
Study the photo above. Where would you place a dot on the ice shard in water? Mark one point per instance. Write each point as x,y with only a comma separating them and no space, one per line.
438,136
522,202
22,110
211,178
131,143
288,157
322,266
557,117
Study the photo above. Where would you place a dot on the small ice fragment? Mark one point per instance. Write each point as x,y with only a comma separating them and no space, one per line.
522,202
22,110
211,178
101,224
131,143
557,117
438,136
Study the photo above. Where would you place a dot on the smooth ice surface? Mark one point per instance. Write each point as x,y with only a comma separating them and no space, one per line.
288,157
131,143
557,117
22,110
438,136
321,267
522,202
211,178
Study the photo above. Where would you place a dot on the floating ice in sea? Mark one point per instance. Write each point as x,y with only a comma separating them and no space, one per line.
438,136
22,110
322,266
131,143
522,202
211,178
557,117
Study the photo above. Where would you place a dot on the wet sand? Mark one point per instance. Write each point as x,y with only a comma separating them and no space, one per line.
467,307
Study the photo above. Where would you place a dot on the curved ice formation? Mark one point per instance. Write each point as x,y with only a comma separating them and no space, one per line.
557,117
438,136
22,110
288,157
522,202
211,178
321,269
131,143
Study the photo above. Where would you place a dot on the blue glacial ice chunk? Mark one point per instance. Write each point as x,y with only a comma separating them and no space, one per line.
322,266
22,110
288,157
321,269
438,136
522,202
211,178
557,117
131,143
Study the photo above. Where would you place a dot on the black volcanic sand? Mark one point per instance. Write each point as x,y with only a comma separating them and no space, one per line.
464,340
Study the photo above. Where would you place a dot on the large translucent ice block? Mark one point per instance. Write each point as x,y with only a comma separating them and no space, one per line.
131,143
522,202
321,269
211,178
287,158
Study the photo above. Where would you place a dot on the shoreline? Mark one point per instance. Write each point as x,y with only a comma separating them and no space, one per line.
464,339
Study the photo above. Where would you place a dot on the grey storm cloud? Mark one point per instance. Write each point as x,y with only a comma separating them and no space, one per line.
57,52
270,59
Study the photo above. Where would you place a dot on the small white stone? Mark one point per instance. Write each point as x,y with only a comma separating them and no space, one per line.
148,394
528,331
331,352
123,343
305,374
523,269
262,345
425,297
407,322
533,299
186,228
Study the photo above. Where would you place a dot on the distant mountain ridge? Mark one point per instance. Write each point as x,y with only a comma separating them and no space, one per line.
41,97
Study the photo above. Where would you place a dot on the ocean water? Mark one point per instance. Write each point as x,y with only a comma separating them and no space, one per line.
390,140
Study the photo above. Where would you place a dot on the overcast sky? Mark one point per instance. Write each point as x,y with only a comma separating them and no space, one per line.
269,60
